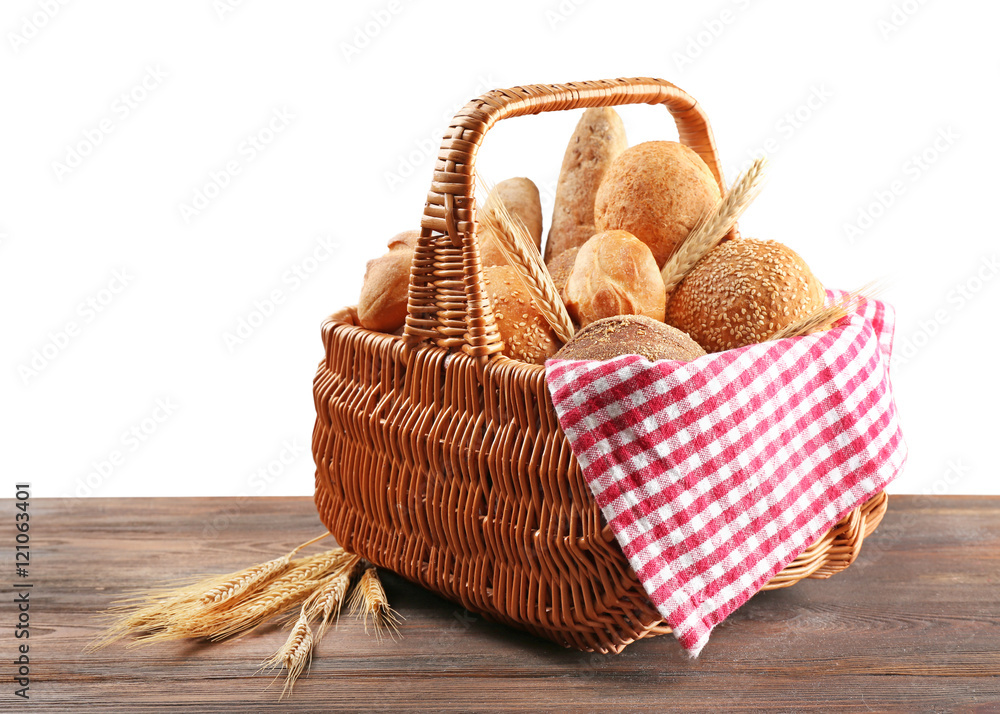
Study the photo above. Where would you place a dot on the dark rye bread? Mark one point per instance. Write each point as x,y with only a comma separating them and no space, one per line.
743,292
630,335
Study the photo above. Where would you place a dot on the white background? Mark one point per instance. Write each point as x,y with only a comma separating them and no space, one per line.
881,115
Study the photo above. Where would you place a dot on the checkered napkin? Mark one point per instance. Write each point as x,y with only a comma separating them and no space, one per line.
715,474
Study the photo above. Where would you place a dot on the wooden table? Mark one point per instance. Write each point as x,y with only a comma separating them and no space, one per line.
913,625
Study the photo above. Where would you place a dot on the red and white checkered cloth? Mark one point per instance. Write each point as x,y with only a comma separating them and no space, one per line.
715,474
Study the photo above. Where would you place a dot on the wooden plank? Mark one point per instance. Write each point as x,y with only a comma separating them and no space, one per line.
913,625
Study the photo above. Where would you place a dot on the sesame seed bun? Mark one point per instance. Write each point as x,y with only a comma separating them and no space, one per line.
743,292
630,335
525,332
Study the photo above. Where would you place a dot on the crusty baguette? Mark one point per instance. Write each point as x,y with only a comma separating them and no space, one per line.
599,138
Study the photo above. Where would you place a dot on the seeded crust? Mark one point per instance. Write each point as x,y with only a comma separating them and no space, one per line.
630,335
657,191
743,292
599,137
525,333
614,274
560,267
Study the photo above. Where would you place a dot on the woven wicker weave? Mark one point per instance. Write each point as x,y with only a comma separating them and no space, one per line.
443,461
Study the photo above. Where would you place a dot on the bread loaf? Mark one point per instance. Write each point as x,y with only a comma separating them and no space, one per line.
743,292
657,191
525,333
630,334
614,274
560,267
382,304
598,139
520,196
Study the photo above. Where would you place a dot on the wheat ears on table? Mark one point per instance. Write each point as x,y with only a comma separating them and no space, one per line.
714,225
224,606
514,241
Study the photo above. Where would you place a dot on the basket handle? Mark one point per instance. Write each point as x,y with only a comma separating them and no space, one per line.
448,303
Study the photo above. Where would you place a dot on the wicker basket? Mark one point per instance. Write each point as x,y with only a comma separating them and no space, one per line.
442,460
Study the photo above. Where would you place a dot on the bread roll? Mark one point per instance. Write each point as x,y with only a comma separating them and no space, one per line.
598,139
560,267
382,304
407,238
520,196
657,191
614,274
526,334
628,335
743,292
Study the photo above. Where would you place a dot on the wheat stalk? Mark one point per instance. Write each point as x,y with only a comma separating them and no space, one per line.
243,581
288,590
220,606
326,601
247,579
714,226
296,653
323,604
825,317
514,241
369,600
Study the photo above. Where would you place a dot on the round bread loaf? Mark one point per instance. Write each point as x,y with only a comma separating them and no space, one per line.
382,304
525,332
520,196
743,292
614,274
657,191
560,267
630,335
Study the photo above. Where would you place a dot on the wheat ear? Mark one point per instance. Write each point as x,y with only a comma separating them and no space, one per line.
219,606
323,604
514,241
369,601
826,317
714,225
296,653
248,579
326,602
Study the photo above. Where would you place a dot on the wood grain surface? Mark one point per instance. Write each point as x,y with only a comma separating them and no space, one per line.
913,625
